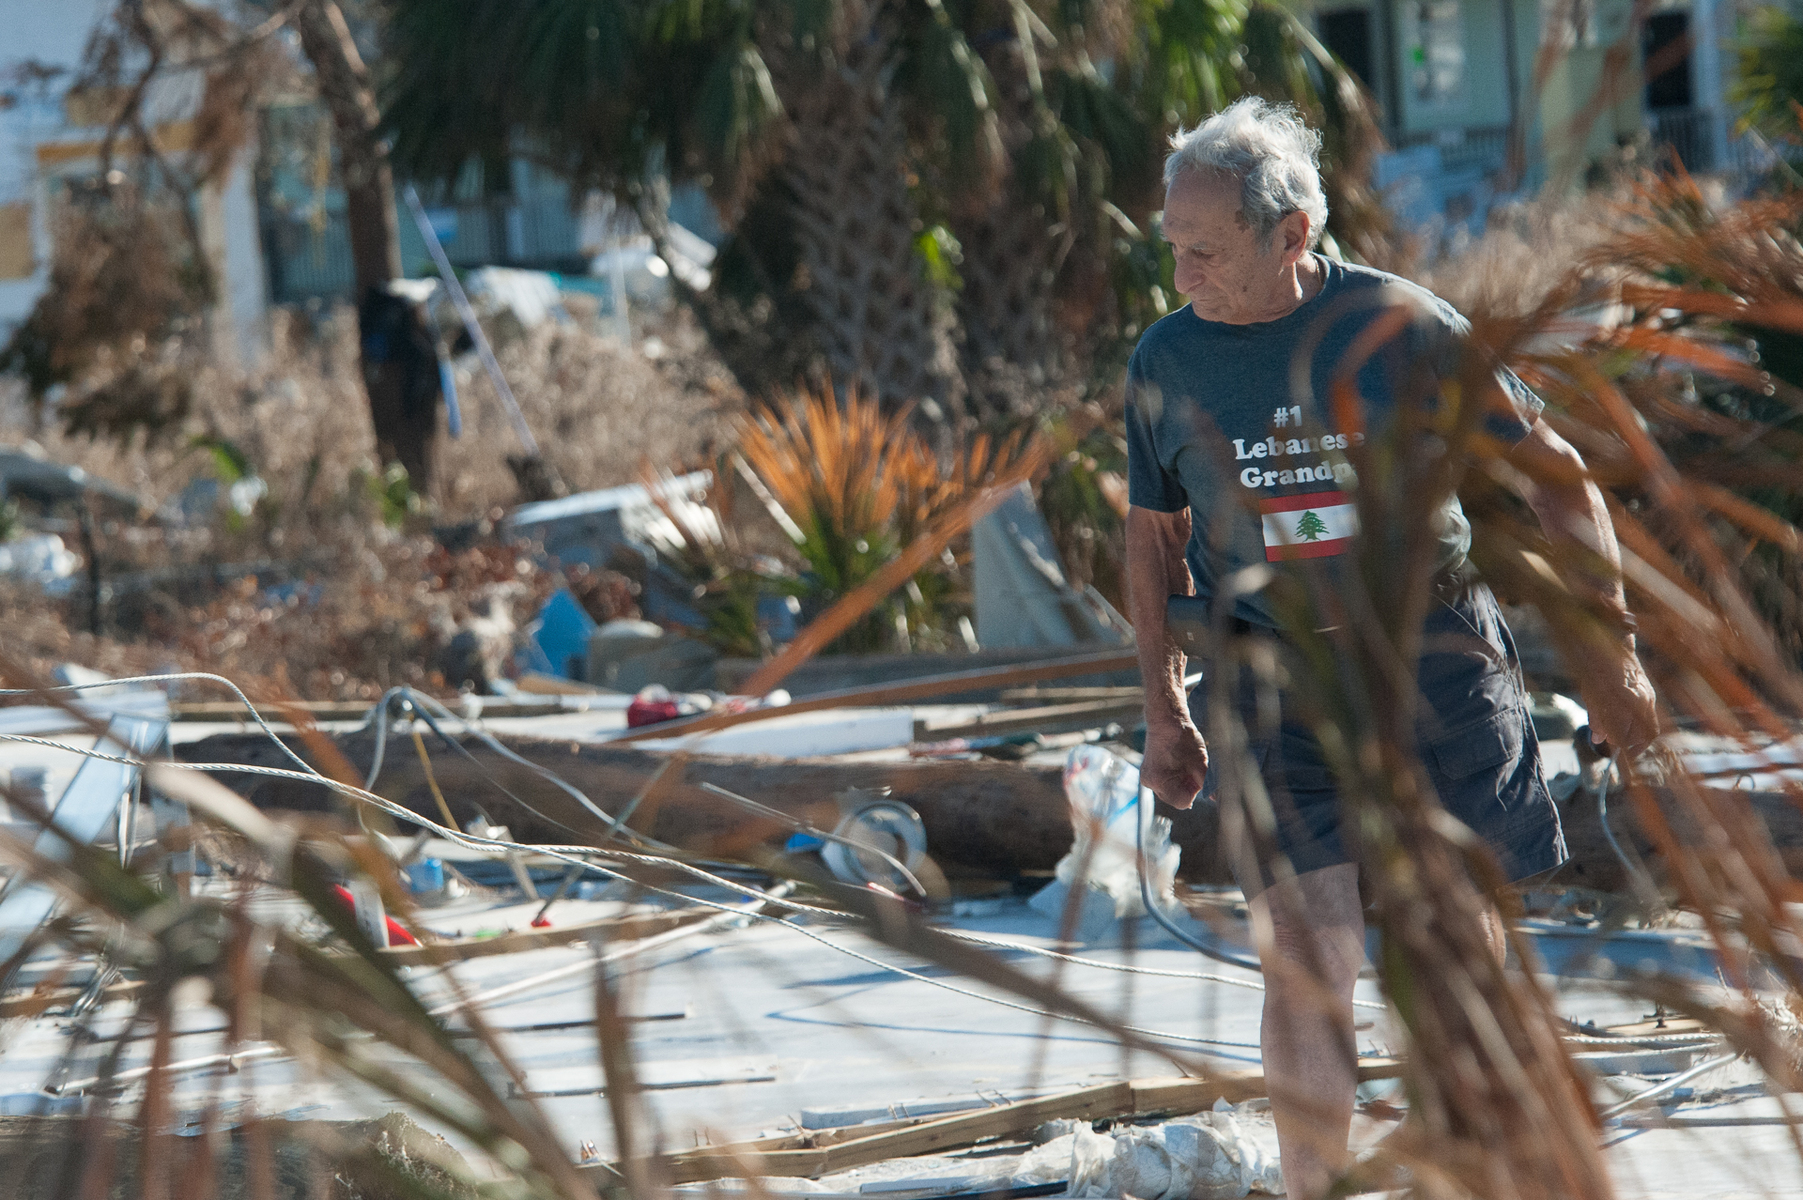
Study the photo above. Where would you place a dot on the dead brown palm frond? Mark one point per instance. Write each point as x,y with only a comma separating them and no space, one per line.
316,1004
1698,446
1649,389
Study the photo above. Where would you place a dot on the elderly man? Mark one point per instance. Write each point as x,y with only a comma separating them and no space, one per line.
1233,462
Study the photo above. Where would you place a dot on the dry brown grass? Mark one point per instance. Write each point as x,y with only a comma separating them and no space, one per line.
375,603
597,408
1526,253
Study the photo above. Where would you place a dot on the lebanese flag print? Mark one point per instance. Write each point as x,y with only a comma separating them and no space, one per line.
1318,525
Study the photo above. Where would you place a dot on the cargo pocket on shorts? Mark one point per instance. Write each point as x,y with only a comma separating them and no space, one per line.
1486,744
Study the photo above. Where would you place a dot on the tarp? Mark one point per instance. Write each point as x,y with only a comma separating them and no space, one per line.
1023,597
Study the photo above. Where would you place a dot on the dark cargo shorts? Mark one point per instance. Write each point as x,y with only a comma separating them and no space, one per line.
1476,737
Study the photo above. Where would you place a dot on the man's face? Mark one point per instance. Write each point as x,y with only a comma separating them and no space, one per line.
1227,271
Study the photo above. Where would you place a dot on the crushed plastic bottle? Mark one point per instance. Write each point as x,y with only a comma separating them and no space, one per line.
1103,865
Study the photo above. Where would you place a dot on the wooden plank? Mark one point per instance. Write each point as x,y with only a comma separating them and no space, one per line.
621,929
1188,1094
1181,1094
927,1137
812,1155
898,693
1050,718
707,1157
356,710
1070,695
1086,1104
34,1004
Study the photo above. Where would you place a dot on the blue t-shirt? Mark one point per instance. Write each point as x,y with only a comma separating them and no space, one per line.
1237,422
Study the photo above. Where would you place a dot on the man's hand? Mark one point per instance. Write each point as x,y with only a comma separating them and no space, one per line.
1576,521
1176,760
1619,697
1175,765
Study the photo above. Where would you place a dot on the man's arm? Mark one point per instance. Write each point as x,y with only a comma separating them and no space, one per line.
1572,513
1176,760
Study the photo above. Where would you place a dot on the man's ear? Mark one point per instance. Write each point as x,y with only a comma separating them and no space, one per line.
1292,236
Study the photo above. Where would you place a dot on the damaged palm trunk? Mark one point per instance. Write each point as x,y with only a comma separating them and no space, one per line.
400,368
879,322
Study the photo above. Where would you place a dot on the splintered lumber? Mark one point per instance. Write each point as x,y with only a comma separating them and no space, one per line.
1049,718
830,1151
612,929
931,688
927,1137
37,1002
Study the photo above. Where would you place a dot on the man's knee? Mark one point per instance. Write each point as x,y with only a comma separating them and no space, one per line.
1312,925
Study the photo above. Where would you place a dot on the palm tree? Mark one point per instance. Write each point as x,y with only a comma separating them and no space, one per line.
802,111
929,198
403,397
1769,84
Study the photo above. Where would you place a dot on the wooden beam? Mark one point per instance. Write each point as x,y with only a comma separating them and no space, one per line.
621,929
36,1003
1180,1094
981,817
1049,718
813,1155
927,1137
899,693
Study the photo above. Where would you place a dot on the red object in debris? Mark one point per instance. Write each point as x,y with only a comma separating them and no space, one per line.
397,934
541,922
650,712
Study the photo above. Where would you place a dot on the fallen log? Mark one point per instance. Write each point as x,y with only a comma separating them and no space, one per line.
981,817
999,818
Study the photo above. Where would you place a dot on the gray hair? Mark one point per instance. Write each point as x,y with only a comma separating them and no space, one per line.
1268,148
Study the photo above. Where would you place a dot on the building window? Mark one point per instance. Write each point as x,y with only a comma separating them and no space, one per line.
1436,51
1347,32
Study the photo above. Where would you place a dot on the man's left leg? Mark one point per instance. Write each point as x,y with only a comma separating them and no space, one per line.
1311,941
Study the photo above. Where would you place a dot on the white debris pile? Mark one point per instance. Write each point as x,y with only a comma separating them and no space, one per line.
1103,863
1214,1156
1208,1157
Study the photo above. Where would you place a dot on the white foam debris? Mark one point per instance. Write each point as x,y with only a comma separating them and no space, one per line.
1207,1157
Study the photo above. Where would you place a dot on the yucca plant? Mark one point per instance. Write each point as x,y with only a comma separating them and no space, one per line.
728,579
858,486
850,478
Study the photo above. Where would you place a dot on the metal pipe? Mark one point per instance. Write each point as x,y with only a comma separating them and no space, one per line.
1145,803
1672,1084
120,1078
